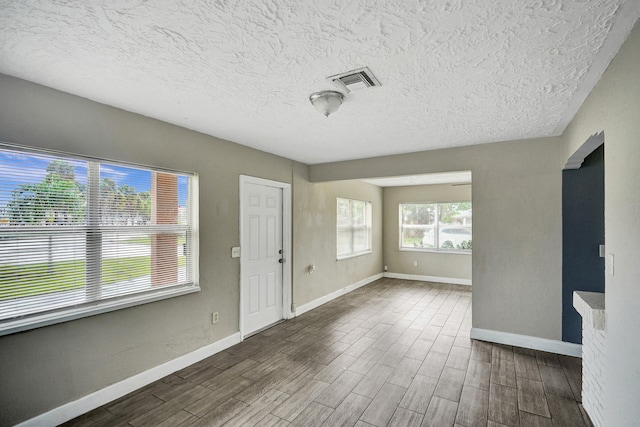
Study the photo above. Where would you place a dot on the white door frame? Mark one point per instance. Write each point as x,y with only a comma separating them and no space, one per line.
286,242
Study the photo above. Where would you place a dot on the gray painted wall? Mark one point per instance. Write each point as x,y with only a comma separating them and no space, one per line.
456,266
517,226
614,107
314,232
45,368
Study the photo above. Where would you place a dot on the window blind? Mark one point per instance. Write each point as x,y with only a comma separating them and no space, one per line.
353,227
77,232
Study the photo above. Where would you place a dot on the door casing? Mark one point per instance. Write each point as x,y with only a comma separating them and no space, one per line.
287,294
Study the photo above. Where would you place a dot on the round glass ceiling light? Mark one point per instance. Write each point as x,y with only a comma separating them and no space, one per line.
326,101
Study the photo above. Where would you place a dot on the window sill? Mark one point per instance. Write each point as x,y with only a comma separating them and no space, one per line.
72,313
437,251
341,257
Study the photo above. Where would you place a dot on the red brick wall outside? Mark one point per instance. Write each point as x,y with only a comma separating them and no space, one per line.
164,210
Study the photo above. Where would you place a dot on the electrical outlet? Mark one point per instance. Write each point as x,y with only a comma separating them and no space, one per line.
415,263
215,317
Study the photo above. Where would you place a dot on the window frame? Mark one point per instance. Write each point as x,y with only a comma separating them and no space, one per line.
368,226
91,307
436,226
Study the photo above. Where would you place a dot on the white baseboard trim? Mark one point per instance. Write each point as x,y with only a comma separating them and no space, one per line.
526,341
333,295
422,278
70,410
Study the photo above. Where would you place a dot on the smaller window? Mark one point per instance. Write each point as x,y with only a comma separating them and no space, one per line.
353,225
436,226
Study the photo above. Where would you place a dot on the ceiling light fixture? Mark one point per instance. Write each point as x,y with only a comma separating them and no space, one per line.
326,101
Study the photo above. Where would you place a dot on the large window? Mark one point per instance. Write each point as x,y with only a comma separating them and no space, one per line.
353,228
436,226
80,236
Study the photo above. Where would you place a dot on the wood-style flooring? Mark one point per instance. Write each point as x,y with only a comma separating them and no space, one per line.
392,353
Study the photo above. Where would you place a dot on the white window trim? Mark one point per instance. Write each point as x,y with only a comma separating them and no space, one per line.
427,250
38,320
438,251
353,255
368,225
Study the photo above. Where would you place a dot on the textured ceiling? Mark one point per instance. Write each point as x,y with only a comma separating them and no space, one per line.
453,72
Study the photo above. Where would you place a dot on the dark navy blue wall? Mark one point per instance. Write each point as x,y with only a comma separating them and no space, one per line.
582,232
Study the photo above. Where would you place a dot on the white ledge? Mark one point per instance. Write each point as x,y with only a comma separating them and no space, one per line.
590,305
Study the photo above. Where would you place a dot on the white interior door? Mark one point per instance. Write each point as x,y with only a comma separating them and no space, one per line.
262,257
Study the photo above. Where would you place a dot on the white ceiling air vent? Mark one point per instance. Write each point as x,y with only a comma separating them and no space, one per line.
361,78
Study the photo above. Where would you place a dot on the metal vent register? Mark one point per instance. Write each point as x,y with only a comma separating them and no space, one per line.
360,78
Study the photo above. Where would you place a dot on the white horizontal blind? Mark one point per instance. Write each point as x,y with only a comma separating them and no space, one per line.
77,232
359,226
343,227
353,227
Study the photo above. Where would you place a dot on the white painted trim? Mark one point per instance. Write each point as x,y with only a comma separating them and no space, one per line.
87,403
287,238
333,295
287,313
422,278
195,227
589,146
526,341
437,251
354,255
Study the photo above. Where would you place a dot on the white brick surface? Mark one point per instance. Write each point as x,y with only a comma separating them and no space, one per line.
593,345
591,307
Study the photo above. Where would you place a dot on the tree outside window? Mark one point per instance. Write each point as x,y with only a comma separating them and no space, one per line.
436,226
75,231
